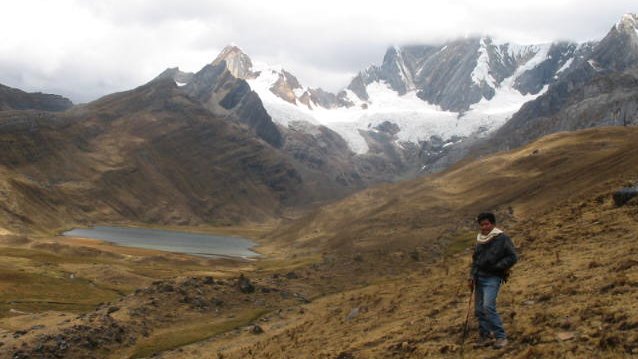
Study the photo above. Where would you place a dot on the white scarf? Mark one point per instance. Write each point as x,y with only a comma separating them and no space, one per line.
484,238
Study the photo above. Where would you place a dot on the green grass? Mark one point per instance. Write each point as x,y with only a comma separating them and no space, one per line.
36,280
459,241
278,265
42,256
179,336
33,280
35,292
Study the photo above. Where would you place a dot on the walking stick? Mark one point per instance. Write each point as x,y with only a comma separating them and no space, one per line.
467,319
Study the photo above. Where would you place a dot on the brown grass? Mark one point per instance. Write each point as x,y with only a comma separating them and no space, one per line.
569,280
577,277
386,268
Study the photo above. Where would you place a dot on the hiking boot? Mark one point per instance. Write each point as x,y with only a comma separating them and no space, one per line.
500,343
482,342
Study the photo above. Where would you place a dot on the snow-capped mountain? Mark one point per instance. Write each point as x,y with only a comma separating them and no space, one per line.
461,73
445,92
598,90
422,101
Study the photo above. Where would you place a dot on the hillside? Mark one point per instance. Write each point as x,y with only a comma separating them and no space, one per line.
572,293
517,184
382,273
147,155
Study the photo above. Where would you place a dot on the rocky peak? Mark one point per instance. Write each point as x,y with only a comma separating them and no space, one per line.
237,62
363,78
628,23
596,91
396,71
221,92
459,73
285,86
619,49
174,73
325,99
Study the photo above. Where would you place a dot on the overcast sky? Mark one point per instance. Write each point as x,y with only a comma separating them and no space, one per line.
85,49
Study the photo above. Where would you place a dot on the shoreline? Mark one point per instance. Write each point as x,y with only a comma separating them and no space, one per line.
234,233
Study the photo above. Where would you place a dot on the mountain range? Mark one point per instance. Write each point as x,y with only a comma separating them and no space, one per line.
241,148
240,141
428,99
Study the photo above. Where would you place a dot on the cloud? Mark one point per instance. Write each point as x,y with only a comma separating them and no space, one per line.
85,49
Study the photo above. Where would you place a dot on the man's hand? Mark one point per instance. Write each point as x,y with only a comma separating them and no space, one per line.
470,284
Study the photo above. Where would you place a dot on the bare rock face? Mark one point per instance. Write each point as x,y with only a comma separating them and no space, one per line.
600,89
325,99
618,51
460,73
223,93
237,62
560,54
15,99
174,73
285,87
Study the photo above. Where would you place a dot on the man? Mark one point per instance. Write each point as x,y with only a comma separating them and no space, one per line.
494,255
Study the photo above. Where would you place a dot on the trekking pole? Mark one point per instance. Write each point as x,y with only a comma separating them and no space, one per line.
467,319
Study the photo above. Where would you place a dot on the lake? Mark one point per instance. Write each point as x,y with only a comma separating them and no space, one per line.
198,244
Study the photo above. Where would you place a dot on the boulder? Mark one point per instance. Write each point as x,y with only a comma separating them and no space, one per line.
112,309
256,329
292,275
245,285
625,194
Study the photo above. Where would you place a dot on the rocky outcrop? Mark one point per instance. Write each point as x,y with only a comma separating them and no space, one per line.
236,61
460,73
221,92
624,195
446,77
15,99
324,157
562,57
618,51
600,89
285,87
174,73
328,100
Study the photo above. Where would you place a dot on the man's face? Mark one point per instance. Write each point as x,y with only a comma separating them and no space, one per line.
486,226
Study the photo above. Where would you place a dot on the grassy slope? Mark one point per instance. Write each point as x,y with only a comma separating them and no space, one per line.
516,184
397,254
75,275
577,278
149,155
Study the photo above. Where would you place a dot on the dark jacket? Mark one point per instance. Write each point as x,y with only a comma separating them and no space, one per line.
494,257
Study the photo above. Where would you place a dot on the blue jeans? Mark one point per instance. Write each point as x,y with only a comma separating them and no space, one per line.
485,293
